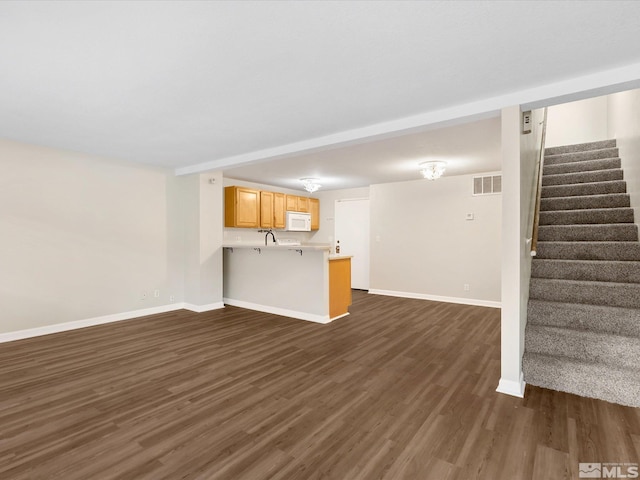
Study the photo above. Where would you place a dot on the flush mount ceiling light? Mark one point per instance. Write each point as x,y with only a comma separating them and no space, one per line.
310,184
432,170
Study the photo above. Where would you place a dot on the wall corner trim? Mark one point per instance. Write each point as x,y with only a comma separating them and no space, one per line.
437,298
513,388
203,308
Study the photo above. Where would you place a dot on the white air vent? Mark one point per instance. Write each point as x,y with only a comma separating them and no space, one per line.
487,185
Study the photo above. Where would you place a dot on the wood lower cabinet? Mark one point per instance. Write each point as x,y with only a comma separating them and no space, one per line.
279,210
242,207
266,210
314,210
339,286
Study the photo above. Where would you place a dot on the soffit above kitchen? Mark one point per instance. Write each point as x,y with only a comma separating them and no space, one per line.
468,148
194,85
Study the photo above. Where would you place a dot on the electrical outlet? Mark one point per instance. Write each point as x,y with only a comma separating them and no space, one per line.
466,287
143,296
156,293
171,298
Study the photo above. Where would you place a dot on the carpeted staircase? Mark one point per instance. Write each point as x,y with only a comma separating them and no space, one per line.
583,323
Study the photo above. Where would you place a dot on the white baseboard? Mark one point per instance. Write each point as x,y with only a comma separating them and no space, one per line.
203,308
310,317
116,317
87,322
339,316
437,298
511,387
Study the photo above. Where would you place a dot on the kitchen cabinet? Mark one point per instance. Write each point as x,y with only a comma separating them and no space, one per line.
266,210
303,204
250,208
241,207
292,203
314,210
279,210
339,286
297,204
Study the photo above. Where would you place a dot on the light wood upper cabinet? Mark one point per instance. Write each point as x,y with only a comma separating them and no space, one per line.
303,204
279,210
241,207
292,203
266,209
297,204
314,209
250,208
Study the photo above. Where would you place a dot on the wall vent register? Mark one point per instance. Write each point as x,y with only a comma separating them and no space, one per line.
487,185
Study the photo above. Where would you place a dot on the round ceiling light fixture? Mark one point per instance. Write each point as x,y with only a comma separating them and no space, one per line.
432,170
310,184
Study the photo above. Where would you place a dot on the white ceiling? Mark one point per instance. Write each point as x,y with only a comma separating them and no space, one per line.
467,148
193,85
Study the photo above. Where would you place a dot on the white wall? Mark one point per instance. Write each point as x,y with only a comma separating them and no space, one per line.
82,237
577,122
422,245
203,218
624,126
519,156
326,233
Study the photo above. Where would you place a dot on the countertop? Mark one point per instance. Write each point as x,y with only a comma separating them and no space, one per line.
273,246
339,257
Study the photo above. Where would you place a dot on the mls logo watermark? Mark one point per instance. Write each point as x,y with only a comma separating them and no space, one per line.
608,470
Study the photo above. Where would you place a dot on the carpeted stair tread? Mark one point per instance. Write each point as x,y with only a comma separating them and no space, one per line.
589,216
618,232
582,177
587,270
589,250
612,200
595,318
613,294
611,152
580,147
588,379
583,316
605,348
585,166
583,189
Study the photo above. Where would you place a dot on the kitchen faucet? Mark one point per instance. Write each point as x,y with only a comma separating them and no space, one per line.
267,235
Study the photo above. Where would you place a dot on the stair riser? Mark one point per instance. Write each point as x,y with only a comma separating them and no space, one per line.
589,233
614,295
580,147
580,156
586,166
594,318
588,251
600,188
596,271
590,217
584,202
586,177
587,380
612,350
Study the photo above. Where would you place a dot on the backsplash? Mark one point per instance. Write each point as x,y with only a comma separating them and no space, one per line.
249,235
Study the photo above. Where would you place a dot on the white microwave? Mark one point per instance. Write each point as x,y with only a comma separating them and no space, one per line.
298,222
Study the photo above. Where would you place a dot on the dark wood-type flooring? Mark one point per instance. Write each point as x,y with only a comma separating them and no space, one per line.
400,389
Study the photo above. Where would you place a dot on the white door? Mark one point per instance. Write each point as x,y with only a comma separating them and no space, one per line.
352,231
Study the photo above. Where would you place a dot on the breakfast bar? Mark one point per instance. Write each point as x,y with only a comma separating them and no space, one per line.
301,281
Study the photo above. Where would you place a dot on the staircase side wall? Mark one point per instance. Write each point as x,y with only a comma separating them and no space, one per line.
624,125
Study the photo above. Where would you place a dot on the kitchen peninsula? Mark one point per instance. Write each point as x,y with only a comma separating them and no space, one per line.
301,281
